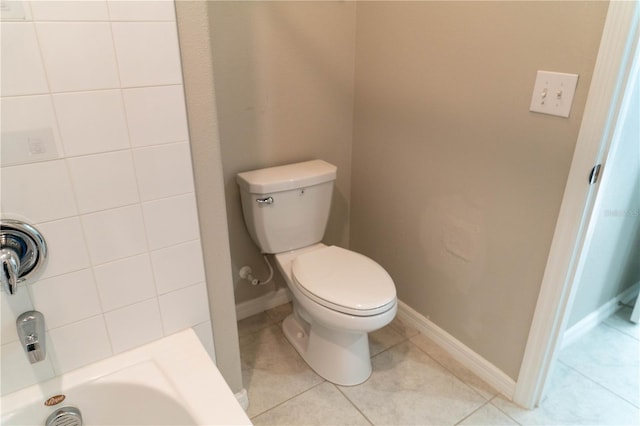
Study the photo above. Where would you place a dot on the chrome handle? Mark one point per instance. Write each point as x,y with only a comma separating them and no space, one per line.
268,200
23,252
31,333
10,270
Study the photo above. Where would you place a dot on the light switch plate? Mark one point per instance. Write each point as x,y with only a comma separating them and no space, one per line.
553,93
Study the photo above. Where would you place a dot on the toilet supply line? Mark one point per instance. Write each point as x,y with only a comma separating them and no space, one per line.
245,274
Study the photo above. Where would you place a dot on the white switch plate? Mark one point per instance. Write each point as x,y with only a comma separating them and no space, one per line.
553,93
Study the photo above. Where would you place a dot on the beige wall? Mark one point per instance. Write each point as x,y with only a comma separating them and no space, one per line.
197,69
456,186
284,89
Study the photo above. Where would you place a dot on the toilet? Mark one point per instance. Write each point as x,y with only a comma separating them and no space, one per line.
339,296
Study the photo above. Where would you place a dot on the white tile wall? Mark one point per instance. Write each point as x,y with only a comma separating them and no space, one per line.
125,282
102,79
91,122
168,276
63,238
134,324
141,10
147,53
172,308
163,171
156,115
171,220
78,55
96,185
70,10
21,65
40,191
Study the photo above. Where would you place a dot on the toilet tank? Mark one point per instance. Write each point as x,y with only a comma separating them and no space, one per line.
287,207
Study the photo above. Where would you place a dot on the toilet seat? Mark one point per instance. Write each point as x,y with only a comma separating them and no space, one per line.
344,281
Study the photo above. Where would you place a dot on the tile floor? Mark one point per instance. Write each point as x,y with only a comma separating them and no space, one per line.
414,382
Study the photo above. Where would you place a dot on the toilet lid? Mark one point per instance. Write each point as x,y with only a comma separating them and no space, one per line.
344,281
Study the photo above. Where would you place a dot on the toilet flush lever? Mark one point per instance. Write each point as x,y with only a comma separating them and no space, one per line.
268,200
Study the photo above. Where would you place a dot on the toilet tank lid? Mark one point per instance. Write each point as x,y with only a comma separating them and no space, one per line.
283,178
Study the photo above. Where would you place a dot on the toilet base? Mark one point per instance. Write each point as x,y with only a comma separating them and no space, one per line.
338,356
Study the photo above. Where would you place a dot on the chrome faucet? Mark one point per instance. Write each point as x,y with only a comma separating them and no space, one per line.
10,272
23,252
31,332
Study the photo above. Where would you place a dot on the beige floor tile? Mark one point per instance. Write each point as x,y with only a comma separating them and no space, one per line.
620,320
279,313
573,400
460,371
272,370
407,387
321,405
488,415
384,338
254,323
403,328
610,358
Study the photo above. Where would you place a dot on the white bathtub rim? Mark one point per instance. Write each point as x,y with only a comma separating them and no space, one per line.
180,357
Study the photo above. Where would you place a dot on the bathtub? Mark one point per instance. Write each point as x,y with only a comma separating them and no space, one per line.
171,381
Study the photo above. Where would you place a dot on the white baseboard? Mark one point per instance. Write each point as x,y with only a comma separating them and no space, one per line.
592,320
459,351
243,398
262,303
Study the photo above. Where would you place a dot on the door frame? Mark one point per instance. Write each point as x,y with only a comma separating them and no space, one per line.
613,64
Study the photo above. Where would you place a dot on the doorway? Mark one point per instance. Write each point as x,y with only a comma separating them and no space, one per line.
612,77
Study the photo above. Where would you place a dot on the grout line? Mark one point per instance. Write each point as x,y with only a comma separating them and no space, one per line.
618,330
592,380
287,400
502,411
471,413
461,379
354,404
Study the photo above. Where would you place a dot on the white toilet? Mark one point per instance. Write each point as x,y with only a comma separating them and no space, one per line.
338,295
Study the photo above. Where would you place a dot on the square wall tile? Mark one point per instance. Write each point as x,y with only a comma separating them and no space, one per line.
12,306
171,221
66,248
18,10
163,170
66,298
91,122
78,55
114,234
29,130
191,269
79,344
17,373
184,308
103,181
22,71
38,192
125,282
156,115
134,325
142,10
60,10
148,53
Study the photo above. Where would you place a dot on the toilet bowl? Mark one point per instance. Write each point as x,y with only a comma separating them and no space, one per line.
333,312
339,296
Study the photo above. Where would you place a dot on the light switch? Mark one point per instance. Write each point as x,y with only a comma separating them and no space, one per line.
553,93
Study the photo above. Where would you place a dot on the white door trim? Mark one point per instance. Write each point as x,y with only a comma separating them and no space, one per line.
619,41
